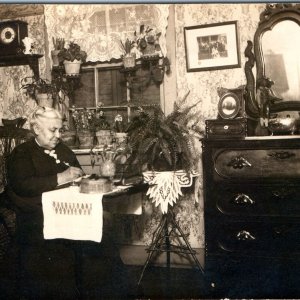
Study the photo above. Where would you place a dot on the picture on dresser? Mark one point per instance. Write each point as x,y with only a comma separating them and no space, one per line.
231,103
212,46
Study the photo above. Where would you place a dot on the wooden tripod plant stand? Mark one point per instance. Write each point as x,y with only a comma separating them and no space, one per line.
165,187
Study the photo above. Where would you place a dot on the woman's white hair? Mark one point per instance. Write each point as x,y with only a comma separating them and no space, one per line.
41,113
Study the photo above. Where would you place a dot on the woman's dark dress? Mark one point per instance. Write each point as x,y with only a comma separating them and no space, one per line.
49,264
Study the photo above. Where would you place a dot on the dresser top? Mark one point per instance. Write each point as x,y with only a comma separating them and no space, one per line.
272,137
254,141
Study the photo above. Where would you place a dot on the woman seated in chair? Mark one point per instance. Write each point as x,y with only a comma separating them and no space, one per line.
34,167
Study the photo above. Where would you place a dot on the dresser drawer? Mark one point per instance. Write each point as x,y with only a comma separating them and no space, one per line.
256,238
257,163
253,200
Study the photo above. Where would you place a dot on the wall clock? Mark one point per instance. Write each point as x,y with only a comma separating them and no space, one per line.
11,35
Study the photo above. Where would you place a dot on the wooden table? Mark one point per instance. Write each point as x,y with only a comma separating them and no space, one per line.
107,201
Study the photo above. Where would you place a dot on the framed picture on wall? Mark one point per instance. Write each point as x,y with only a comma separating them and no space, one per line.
212,46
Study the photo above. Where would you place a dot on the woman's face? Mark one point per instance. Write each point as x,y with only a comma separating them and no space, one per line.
48,132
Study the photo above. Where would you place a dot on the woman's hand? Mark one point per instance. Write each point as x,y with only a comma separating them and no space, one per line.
69,174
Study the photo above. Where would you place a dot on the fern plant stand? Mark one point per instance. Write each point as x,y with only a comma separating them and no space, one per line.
165,188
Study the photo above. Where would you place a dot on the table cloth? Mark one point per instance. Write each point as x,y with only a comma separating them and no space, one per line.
73,215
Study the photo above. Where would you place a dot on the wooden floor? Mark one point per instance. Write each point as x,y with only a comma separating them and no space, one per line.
156,283
183,283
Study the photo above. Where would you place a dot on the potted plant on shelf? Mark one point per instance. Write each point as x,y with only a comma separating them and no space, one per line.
83,123
164,148
68,136
41,90
102,129
128,57
120,127
72,57
148,42
58,44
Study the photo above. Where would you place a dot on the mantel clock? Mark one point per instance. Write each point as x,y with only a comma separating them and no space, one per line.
11,35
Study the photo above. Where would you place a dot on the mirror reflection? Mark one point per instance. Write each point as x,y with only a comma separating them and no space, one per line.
281,47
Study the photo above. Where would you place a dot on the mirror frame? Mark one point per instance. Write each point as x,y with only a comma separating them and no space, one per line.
272,15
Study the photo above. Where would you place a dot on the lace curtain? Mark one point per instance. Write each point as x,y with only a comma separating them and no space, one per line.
99,28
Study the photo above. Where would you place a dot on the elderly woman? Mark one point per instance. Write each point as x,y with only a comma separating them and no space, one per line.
37,166
34,167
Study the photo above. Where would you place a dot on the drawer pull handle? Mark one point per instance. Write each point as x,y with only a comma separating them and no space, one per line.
239,162
281,154
243,199
244,235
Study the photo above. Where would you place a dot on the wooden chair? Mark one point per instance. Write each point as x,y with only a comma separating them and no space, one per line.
10,137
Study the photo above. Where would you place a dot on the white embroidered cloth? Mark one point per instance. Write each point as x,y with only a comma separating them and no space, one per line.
72,215
165,187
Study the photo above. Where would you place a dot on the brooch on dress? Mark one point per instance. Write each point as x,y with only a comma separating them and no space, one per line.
54,155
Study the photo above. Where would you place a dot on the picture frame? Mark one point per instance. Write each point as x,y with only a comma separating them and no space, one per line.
212,46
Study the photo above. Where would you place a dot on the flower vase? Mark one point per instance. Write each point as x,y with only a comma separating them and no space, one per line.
108,166
28,45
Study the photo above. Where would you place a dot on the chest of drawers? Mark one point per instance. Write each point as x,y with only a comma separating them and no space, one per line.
251,199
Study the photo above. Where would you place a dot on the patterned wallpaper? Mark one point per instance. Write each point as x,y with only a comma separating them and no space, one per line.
202,85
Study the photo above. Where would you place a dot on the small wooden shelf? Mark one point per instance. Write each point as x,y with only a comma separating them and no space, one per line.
22,59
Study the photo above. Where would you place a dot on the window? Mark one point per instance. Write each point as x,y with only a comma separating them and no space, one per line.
115,89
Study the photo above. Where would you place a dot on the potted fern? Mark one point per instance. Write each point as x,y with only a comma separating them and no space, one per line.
162,143
72,58
163,149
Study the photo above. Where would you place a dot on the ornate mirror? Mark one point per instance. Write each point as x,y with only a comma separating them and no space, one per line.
276,87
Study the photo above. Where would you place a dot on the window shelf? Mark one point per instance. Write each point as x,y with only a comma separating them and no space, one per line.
109,107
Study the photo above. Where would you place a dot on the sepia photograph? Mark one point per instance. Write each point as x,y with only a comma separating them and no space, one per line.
149,150
212,46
